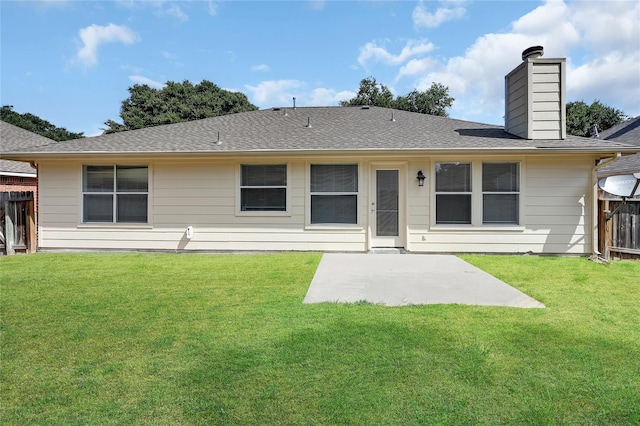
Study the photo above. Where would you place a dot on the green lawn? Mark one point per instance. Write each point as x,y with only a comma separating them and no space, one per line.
168,339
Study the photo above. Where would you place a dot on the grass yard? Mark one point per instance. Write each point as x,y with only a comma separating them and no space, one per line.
168,339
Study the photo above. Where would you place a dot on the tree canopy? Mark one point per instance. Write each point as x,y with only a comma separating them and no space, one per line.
176,102
434,101
371,93
582,117
35,124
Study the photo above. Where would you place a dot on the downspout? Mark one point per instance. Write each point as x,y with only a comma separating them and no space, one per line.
594,210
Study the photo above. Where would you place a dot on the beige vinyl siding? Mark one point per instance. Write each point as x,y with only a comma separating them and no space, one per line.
556,199
546,97
517,112
556,206
58,195
201,194
534,107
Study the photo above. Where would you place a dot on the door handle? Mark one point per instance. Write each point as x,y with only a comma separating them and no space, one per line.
373,207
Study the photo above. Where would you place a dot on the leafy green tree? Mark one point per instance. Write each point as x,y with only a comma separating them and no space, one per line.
176,102
35,124
433,101
371,93
582,117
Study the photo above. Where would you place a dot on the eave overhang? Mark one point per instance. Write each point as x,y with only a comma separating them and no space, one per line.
38,156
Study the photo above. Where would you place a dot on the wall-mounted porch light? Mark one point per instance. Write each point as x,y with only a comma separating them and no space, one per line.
420,178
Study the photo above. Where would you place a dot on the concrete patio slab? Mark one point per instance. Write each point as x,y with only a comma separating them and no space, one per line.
409,279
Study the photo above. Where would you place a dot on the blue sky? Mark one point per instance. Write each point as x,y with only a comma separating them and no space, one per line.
71,62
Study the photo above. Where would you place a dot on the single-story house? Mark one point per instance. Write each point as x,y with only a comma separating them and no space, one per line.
620,219
334,179
18,192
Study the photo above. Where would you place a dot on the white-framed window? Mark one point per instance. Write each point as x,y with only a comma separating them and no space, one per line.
334,193
115,193
500,193
263,187
453,185
477,193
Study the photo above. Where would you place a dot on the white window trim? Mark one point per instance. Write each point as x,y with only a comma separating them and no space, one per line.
265,213
358,194
120,225
476,196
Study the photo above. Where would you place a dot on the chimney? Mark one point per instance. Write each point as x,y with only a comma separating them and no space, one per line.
535,97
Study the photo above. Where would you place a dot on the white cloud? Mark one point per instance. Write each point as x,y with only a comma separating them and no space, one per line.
371,52
213,8
317,4
275,93
161,7
602,63
174,11
95,35
329,97
261,67
140,79
281,93
416,67
448,11
43,5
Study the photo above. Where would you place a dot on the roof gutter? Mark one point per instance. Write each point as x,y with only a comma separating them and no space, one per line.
35,156
595,218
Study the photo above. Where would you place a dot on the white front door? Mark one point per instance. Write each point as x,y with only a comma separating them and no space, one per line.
387,204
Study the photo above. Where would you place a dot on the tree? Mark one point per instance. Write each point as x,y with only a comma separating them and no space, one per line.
371,93
176,102
35,124
433,101
582,117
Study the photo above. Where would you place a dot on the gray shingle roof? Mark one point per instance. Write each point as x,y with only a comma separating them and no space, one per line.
12,138
627,132
332,129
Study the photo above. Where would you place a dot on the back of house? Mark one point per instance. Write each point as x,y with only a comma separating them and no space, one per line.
349,179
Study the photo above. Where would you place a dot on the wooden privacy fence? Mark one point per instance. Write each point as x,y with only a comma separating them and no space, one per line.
624,229
17,222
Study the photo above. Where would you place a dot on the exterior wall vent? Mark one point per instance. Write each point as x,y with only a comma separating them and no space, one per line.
535,106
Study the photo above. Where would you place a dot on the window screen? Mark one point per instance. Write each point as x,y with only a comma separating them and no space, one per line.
453,193
115,194
334,193
500,193
263,187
